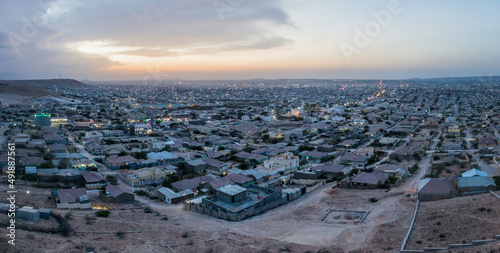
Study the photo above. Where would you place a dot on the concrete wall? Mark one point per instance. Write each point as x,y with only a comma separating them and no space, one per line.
316,186
270,203
74,205
306,181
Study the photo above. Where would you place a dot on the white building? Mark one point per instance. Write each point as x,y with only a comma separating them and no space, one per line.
143,129
284,162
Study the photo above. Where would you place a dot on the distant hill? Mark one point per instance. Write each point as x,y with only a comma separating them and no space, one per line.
43,82
35,88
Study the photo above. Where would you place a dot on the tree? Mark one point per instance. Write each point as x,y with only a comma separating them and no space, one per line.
112,179
171,179
265,137
47,164
102,213
243,166
65,163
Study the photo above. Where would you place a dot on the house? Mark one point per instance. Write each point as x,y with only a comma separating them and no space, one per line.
358,161
431,189
141,129
285,162
118,162
22,139
407,152
165,157
474,173
393,169
53,138
30,170
28,213
197,165
367,151
95,134
83,163
171,197
35,161
330,169
215,165
326,148
96,149
76,198
190,183
56,148
307,174
116,194
248,157
348,144
365,180
485,142
258,176
313,156
37,143
240,179
231,193
93,180
145,176
475,184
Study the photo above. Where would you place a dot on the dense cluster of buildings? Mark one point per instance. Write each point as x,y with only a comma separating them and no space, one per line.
233,151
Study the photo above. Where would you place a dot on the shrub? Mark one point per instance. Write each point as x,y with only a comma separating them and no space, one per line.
148,209
68,215
120,234
141,192
112,179
102,213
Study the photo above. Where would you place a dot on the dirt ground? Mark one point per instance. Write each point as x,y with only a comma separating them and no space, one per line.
457,220
293,227
450,170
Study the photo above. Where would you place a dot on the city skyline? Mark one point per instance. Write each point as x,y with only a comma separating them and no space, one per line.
106,40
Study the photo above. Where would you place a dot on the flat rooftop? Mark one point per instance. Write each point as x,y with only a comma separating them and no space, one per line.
231,190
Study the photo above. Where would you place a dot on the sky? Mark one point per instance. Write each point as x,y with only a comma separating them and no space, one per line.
243,39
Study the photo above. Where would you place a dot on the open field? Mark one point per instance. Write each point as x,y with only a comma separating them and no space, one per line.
294,227
455,221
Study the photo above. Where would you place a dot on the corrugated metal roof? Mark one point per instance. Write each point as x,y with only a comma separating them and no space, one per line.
475,181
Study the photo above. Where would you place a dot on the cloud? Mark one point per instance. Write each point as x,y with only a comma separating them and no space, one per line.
79,33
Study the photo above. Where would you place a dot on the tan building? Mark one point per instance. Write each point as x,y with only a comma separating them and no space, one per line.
146,176
283,162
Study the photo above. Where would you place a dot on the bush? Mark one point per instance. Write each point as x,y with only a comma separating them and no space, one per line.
112,179
102,213
141,192
31,177
68,215
120,234
148,209
413,168
497,180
